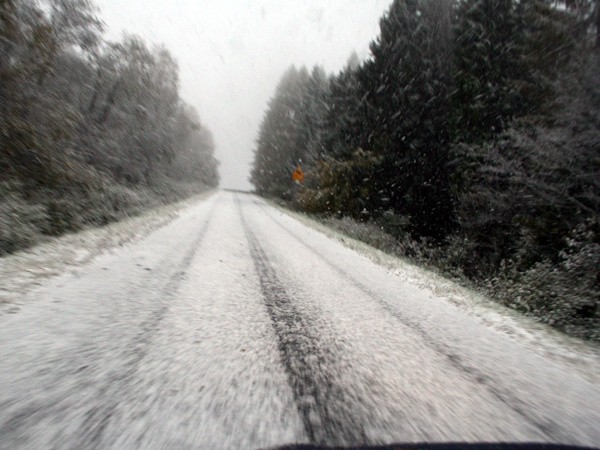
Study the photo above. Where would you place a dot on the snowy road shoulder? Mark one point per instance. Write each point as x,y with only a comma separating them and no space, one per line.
24,270
584,357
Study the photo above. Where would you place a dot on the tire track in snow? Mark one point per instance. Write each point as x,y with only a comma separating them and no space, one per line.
326,415
110,394
98,418
546,426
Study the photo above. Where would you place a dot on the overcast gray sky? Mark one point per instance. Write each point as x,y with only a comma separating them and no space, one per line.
233,52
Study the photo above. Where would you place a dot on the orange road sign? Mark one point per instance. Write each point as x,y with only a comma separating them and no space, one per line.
298,175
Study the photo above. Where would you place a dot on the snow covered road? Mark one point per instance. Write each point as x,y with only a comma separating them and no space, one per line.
237,326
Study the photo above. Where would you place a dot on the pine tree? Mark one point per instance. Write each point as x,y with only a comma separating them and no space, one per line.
283,136
489,66
407,83
344,127
316,106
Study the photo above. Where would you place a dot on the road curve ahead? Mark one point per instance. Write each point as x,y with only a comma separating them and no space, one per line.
237,326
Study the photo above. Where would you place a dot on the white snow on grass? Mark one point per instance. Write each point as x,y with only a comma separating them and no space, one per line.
544,340
26,269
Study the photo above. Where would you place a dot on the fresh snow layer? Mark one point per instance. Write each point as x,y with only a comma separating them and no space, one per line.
22,271
229,323
544,340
